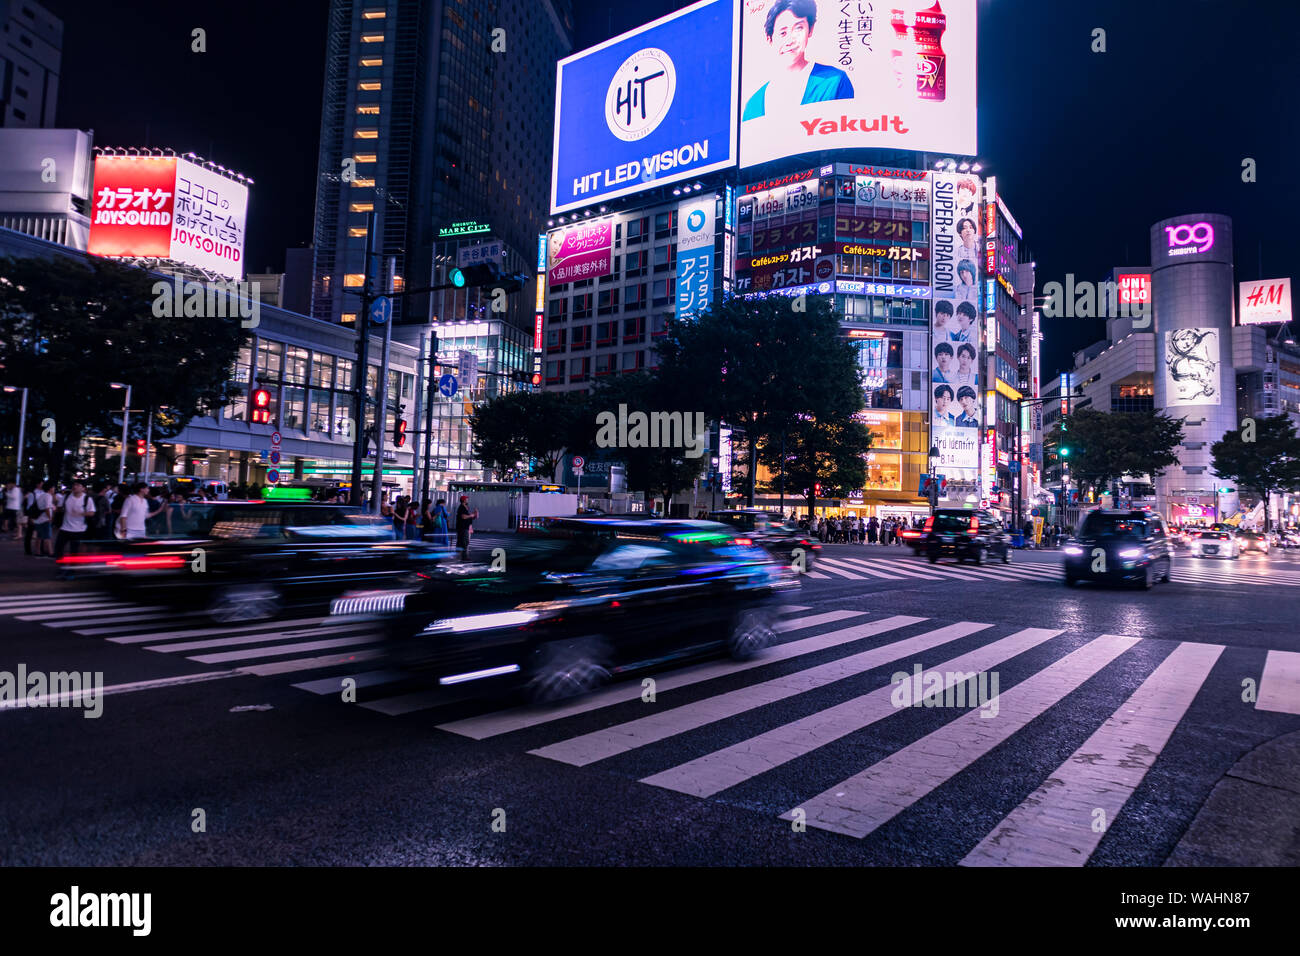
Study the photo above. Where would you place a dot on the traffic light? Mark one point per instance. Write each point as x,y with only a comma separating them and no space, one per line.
537,378
139,447
399,433
817,490
260,414
486,274
1064,451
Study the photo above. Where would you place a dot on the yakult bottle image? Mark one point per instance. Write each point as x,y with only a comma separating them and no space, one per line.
918,57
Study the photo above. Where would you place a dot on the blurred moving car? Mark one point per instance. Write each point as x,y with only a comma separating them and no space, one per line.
1215,544
251,560
965,535
583,600
1120,546
1252,542
777,537
914,538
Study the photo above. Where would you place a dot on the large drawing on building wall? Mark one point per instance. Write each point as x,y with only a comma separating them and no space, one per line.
1192,367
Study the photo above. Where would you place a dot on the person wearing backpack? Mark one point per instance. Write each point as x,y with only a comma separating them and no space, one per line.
78,508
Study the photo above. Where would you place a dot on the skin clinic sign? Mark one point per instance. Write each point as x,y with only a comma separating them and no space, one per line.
653,106
823,74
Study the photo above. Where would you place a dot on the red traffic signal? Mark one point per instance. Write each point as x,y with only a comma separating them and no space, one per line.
817,489
537,378
399,433
261,410
139,447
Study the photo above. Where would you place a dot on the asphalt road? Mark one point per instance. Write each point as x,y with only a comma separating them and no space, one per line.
1119,711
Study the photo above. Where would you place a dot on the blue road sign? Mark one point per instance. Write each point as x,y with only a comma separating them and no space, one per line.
381,310
275,456
272,476
447,385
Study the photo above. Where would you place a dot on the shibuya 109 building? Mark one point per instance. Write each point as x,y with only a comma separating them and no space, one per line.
803,148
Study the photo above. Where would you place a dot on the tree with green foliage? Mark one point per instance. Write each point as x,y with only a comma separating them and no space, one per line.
759,364
657,472
1264,456
68,328
830,453
1105,446
531,427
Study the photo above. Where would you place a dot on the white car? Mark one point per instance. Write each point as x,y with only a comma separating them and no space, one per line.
1215,544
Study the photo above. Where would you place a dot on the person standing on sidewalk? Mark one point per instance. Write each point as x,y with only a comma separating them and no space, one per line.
40,514
464,526
135,512
13,504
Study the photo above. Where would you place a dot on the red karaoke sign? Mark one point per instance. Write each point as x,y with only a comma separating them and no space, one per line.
133,206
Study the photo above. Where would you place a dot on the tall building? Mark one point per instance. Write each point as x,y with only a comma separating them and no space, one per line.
435,121
435,116
31,48
45,184
857,207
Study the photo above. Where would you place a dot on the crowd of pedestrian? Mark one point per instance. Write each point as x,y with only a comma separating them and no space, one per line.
850,529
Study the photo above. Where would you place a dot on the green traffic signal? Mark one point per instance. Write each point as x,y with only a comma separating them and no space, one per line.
458,278
1065,452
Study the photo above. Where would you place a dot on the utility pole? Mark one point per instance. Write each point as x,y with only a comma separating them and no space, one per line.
381,405
362,369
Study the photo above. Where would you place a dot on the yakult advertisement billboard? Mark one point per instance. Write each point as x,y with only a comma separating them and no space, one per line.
824,74
168,208
652,106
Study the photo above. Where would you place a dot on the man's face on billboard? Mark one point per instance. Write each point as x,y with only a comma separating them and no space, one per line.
790,39
963,361
967,234
941,403
968,405
944,361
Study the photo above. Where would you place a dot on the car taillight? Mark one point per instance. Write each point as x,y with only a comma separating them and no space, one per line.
746,542
88,558
152,563
974,526
929,524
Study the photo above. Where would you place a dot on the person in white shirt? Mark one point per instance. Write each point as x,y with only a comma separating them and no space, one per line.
77,506
13,506
135,511
43,522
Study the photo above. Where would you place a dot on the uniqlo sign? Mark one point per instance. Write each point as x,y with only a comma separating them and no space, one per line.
168,208
1134,288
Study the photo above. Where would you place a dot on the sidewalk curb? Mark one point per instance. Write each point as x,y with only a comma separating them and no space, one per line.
1252,816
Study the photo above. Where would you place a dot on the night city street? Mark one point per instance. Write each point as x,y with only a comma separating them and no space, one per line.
847,447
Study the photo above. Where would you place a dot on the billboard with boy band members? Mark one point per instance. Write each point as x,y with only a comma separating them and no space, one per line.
955,386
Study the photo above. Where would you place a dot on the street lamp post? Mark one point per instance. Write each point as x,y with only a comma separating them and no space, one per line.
126,411
713,485
934,484
22,430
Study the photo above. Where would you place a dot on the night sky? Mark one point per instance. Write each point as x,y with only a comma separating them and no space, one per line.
1089,149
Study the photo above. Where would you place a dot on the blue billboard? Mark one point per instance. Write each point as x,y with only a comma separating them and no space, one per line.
652,106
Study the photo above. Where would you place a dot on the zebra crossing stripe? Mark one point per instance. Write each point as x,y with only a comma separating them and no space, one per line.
230,640
827,565
867,800
334,685
732,765
54,609
518,718
600,744
1056,825
245,655
36,595
1279,686
311,663
144,637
